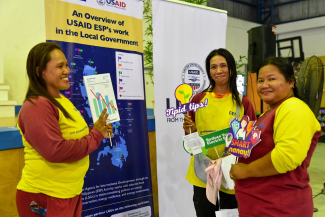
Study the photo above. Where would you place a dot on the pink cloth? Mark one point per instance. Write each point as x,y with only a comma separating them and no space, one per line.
214,177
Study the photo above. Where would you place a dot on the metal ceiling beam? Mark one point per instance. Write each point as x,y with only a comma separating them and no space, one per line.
284,3
261,6
260,2
245,3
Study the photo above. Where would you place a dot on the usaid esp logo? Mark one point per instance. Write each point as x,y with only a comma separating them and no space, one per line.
116,4
101,2
194,75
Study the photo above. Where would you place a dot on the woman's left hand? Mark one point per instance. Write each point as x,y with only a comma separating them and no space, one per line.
239,171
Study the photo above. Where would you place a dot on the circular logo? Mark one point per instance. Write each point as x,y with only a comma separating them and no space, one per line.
194,75
101,2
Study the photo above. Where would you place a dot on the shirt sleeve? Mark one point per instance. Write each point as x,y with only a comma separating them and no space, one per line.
294,129
39,125
249,108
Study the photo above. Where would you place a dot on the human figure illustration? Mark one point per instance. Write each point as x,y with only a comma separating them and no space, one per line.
241,133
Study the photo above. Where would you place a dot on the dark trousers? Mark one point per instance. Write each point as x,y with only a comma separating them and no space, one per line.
204,208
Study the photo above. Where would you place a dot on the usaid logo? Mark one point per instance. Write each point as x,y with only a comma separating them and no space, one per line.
101,2
194,75
116,4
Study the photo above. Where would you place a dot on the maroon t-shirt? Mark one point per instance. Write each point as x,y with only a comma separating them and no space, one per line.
285,195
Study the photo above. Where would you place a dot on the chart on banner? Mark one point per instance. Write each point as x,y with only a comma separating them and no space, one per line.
129,75
100,96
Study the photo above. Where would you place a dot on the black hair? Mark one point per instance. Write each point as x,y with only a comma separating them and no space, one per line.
37,60
232,72
285,68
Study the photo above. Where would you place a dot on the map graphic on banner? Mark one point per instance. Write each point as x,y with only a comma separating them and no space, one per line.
92,34
106,160
78,94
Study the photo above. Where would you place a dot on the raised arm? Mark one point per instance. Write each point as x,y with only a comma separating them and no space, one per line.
39,126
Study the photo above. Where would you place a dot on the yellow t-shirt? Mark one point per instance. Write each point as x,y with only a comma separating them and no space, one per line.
212,118
46,130
291,137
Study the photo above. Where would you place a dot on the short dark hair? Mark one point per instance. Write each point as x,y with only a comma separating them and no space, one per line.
285,68
37,60
232,72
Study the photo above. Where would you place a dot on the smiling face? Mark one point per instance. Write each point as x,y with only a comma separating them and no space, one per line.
219,70
243,123
272,86
56,73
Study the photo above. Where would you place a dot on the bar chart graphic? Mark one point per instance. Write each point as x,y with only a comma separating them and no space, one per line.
100,96
100,103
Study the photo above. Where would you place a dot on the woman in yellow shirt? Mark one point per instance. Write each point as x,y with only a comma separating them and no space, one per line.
274,178
57,139
223,99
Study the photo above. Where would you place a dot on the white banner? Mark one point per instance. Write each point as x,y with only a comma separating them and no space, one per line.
183,36
125,7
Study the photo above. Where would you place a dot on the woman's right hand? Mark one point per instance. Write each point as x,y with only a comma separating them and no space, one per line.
105,129
188,123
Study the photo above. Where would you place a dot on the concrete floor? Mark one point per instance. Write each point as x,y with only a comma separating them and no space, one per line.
317,178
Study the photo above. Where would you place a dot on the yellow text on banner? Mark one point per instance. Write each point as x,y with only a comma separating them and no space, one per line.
79,24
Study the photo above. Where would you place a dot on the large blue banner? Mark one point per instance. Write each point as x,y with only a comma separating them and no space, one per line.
118,182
